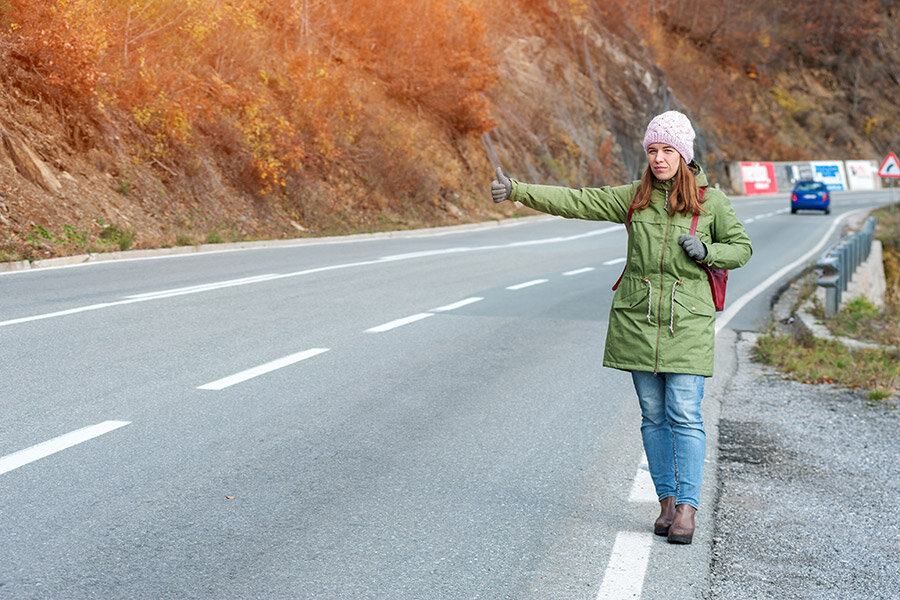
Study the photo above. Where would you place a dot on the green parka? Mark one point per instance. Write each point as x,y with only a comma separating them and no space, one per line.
662,317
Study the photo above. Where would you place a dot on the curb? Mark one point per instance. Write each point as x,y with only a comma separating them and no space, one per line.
816,329
96,257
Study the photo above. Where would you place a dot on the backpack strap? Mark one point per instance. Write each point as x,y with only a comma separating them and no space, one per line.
694,223
628,225
628,218
697,215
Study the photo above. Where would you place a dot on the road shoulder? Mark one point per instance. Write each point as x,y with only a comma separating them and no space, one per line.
684,570
806,475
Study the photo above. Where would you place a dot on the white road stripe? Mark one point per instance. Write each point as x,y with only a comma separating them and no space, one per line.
537,242
61,313
642,489
578,271
765,216
221,384
456,305
399,323
261,278
624,577
522,286
45,449
614,261
203,287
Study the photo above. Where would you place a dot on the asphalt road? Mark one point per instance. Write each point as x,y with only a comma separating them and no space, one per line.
417,416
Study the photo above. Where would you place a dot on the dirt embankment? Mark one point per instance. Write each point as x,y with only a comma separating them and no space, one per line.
576,83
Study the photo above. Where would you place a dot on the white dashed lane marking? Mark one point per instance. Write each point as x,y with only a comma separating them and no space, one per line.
225,382
399,323
527,284
45,449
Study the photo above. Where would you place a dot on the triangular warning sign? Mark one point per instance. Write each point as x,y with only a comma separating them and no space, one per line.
890,167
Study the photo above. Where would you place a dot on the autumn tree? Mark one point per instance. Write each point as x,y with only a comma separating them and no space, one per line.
433,52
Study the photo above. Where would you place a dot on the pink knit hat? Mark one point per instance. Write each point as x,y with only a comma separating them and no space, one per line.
673,129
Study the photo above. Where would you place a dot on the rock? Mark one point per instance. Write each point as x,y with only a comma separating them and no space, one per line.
454,210
29,164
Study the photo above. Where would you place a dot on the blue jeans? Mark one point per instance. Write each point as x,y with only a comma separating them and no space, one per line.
673,434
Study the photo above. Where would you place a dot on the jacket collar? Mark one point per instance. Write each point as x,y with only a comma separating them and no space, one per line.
699,176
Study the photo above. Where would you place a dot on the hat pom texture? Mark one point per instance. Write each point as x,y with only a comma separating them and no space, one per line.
673,129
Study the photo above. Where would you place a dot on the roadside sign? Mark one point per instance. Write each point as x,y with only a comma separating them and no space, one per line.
890,167
831,173
759,178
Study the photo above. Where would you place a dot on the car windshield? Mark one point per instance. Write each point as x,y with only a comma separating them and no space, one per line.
809,186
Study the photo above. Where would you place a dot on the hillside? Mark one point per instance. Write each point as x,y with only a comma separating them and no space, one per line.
149,123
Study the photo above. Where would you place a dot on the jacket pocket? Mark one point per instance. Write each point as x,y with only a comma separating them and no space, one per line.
638,300
633,298
692,305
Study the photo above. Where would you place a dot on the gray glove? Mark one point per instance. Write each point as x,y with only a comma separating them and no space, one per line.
693,246
500,187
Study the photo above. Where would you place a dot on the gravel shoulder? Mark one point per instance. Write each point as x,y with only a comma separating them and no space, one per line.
807,478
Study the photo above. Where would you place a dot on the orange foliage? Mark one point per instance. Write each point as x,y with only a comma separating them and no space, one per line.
61,41
275,71
430,51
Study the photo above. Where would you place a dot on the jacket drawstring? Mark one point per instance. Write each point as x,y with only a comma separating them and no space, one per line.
649,299
672,308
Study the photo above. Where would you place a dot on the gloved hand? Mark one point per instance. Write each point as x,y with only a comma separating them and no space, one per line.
693,246
500,187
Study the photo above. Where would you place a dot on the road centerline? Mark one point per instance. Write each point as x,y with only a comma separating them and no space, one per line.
456,305
225,382
399,323
527,284
202,288
57,444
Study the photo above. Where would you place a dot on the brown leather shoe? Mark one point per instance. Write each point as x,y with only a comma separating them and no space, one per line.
666,514
682,529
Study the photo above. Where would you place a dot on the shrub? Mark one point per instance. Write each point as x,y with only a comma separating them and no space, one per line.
123,238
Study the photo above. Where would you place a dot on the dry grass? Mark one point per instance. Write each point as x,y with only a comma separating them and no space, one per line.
803,357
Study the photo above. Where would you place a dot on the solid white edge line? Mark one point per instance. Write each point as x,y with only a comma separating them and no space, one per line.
642,489
61,313
45,449
738,304
456,305
578,271
521,286
624,576
399,323
221,384
205,287
214,286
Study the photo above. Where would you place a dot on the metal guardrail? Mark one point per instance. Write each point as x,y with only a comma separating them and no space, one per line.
839,262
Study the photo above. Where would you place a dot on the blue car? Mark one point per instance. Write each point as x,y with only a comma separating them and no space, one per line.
810,195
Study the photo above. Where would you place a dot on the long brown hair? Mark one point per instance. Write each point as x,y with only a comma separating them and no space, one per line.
683,197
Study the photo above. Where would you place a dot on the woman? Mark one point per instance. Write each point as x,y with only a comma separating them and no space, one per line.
662,319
